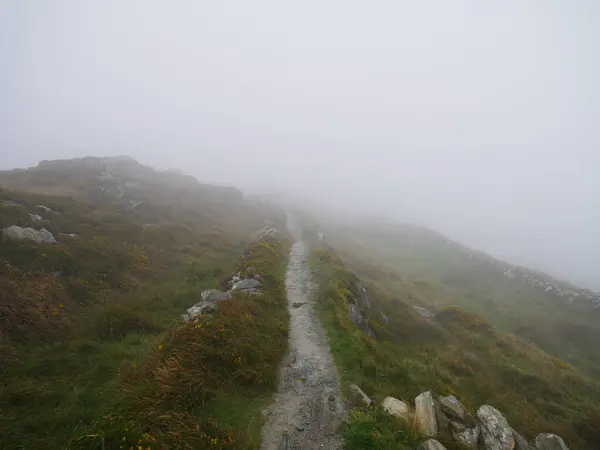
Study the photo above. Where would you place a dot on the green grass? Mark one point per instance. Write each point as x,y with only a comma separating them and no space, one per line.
459,353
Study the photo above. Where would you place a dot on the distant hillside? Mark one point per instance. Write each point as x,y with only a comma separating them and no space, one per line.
562,319
99,259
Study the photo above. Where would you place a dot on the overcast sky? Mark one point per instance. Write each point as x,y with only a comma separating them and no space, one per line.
480,119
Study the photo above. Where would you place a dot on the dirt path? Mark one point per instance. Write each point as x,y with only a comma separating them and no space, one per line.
308,408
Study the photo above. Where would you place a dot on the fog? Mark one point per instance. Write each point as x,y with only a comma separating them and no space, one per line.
478,119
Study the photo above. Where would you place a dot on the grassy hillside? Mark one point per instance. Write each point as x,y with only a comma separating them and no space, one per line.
434,271
93,352
456,352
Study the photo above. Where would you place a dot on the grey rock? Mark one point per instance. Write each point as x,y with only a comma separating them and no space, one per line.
425,414
443,421
454,409
423,312
468,437
495,431
360,395
396,408
384,319
520,442
199,309
214,296
42,236
356,315
431,444
45,208
548,441
248,283
298,304
36,217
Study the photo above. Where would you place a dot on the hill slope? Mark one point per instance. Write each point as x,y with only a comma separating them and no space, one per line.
92,345
462,340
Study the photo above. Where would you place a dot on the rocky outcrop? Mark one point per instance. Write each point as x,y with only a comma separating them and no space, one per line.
548,441
212,295
425,414
495,432
36,217
448,420
18,233
396,408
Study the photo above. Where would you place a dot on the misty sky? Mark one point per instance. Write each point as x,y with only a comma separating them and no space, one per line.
480,119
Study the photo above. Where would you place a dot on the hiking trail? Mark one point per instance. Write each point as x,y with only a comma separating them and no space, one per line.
308,410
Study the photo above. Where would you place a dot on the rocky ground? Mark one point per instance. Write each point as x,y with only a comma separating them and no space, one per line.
307,410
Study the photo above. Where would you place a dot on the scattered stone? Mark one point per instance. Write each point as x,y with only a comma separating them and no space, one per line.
431,444
214,296
10,204
520,442
425,414
396,408
45,208
468,437
300,428
360,395
19,233
549,441
495,431
36,217
298,304
454,409
248,283
199,309
423,312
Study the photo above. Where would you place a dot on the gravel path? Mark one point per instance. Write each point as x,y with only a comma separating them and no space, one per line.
308,409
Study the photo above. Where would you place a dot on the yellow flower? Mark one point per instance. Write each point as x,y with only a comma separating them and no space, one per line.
160,347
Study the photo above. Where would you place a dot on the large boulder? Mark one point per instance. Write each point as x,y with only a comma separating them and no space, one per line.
431,444
425,414
16,232
548,441
496,433
468,437
454,409
214,296
246,284
359,395
396,407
